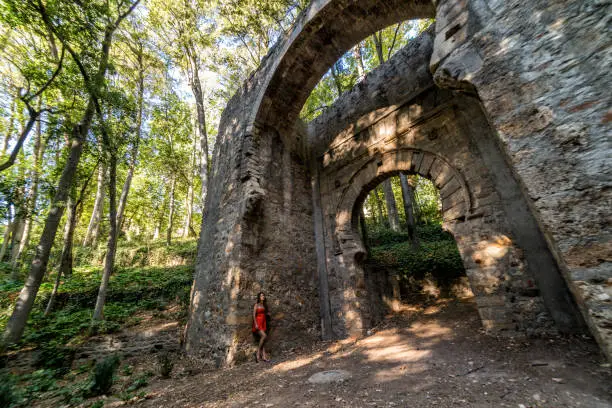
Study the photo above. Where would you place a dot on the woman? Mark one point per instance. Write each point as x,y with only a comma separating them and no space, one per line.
260,326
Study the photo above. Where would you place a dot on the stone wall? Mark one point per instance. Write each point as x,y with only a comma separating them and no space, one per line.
234,246
541,69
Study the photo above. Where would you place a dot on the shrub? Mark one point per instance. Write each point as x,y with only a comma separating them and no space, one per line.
8,397
165,365
103,376
55,356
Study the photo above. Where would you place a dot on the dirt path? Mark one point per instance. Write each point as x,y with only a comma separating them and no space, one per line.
432,357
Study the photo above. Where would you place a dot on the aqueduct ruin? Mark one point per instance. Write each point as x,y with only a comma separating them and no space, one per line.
504,106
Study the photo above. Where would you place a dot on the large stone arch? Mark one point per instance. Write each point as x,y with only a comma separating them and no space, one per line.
326,31
442,136
273,182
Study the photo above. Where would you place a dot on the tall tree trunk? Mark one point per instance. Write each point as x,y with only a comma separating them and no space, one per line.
408,200
7,233
25,301
134,153
392,214
379,48
65,267
171,212
109,261
336,79
196,87
189,198
19,221
379,206
98,210
357,54
66,259
10,128
364,230
16,243
39,148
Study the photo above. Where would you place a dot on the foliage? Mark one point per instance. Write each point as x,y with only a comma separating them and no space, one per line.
8,397
437,257
54,355
165,364
142,380
103,376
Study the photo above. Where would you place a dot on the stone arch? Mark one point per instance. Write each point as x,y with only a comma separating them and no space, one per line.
454,192
457,209
327,30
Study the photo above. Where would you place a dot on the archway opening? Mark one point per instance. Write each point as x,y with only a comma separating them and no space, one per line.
363,57
412,261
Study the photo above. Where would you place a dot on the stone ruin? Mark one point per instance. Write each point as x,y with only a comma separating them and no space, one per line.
504,105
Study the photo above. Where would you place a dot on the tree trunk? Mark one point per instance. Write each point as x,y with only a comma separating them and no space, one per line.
189,198
378,45
196,87
189,210
39,148
7,234
171,212
10,127
359,59
336,79
408,200
364,230
25,301
16,243
65,267
49,307
109,261
134,153
98,210
379,206
66,260
391,205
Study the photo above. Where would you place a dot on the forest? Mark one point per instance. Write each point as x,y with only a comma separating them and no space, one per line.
108,117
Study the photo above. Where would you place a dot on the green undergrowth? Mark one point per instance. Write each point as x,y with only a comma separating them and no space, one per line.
131,289
436,256
149,280
141,253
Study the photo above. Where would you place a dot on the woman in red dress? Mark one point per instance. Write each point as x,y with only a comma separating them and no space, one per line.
260,312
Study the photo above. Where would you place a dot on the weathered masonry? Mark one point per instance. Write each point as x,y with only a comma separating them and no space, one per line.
504,106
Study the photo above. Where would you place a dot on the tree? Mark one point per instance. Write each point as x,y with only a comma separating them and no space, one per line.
408,201
93,70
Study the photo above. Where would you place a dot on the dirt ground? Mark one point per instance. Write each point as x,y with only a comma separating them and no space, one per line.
434,356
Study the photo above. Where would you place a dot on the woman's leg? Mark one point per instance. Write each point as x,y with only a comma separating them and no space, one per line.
260,350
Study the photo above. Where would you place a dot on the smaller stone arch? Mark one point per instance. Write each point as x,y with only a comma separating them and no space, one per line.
455,195
482,260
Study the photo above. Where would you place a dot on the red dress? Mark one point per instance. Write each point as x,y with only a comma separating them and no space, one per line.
260,317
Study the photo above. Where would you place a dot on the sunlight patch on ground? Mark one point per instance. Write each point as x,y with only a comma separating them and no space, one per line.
397,353
295,364
392,374
431,329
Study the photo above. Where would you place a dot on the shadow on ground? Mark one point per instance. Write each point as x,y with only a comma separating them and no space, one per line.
425,356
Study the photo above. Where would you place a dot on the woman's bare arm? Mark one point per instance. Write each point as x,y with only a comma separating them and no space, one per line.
255,316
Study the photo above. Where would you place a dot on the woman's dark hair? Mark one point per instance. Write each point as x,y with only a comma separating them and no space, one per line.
265,305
